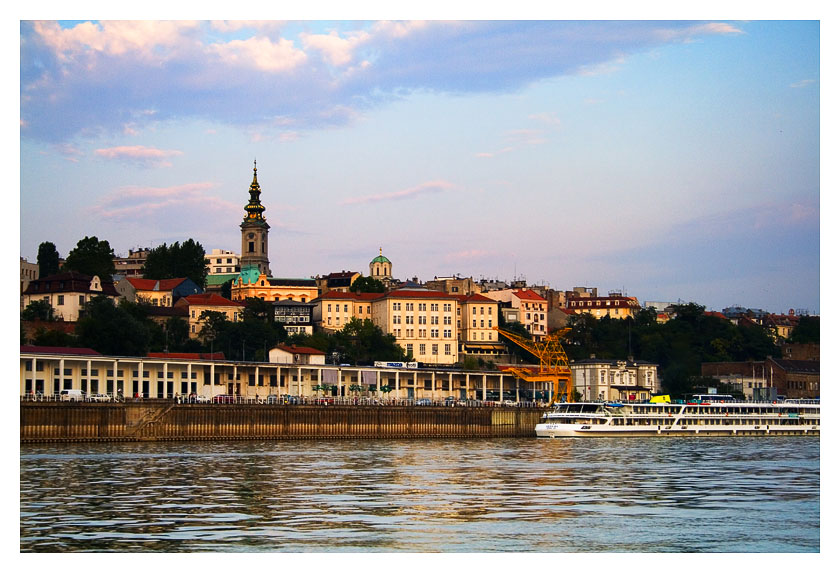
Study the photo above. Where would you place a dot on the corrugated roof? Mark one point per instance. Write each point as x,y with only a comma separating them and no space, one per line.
300,349
58,350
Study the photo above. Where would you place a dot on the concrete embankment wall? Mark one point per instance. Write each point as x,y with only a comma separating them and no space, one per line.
149,420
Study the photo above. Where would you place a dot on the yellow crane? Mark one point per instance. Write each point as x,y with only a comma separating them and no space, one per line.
554,364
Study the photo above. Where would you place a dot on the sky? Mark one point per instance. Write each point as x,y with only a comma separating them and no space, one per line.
669,160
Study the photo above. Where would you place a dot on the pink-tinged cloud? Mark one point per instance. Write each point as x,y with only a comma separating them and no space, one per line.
179,201
488,154
139,155
468,255
422,189
69,152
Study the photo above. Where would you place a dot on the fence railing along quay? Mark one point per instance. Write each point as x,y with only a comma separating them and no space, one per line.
47,419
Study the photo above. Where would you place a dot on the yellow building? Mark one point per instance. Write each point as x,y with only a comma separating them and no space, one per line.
424,322
614,306
477,317
531,310
251,283
198,303
334,309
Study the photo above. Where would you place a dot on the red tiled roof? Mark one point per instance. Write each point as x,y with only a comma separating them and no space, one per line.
715,313
161,285
58,350
528,294
331,295
208,299
299,349
475,297
408,293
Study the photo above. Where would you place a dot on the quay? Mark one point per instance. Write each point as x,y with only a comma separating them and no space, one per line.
145,420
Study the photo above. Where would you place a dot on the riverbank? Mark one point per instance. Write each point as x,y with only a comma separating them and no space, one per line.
165,420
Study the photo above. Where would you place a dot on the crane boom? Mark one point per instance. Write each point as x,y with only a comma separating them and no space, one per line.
554,364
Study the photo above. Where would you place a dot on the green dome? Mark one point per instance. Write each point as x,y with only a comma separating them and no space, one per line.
380,259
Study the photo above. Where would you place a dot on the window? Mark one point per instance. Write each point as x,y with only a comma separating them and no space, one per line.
250,246
447,334
422,349
434,349
447,349
434,307
421,306
434,333
60,299
409,319
345,308
447,307
434,320
409,348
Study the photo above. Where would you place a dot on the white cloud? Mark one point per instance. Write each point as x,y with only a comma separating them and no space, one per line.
133,203
139,155
260,54
422,189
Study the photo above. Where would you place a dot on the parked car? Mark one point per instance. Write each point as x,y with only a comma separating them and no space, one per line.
272,399
449,401
99,398
201,399
224,399
71,395
423,402
509,403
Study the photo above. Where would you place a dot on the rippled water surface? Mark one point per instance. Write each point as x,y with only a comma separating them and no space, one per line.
522,495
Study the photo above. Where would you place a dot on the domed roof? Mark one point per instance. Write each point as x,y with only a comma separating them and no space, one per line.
380,258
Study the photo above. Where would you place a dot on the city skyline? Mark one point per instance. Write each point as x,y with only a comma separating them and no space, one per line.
670,160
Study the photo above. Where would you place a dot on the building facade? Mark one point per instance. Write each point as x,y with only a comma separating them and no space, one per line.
163,292
531,310
615,305
424,322
295,316
222,262
198,303
28,273
133,264
615,380
336,282
252,283
334,309
67,293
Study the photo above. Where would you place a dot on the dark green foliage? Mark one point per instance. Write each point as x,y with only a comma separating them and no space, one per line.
808,330
37,310
113,330
367,284
176,261
513,348
47,260
678,346
92,257
250,339
44,337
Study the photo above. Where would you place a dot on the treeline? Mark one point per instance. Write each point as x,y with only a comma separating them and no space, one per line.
680,345
92,256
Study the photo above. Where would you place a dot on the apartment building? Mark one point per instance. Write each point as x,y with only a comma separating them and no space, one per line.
334,309
619,380
531,309
198,303
424,322
222,262
615,305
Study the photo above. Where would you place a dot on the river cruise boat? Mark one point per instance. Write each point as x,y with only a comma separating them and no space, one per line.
712,415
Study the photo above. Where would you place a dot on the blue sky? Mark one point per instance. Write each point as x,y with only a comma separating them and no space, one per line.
671,160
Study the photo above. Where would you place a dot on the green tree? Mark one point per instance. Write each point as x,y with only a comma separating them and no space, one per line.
47,259
362,342
807,331
367,284
38,310
112,329
44,337
177,260
92,257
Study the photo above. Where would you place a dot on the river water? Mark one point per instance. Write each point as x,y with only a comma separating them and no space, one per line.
720,495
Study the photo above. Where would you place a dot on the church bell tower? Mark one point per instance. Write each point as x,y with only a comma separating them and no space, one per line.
255,231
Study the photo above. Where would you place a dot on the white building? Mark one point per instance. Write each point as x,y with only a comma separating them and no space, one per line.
615,380
221,262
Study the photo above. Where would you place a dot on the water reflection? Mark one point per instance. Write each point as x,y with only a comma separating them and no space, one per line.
703,494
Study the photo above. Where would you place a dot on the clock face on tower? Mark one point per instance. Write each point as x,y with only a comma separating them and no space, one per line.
250,235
